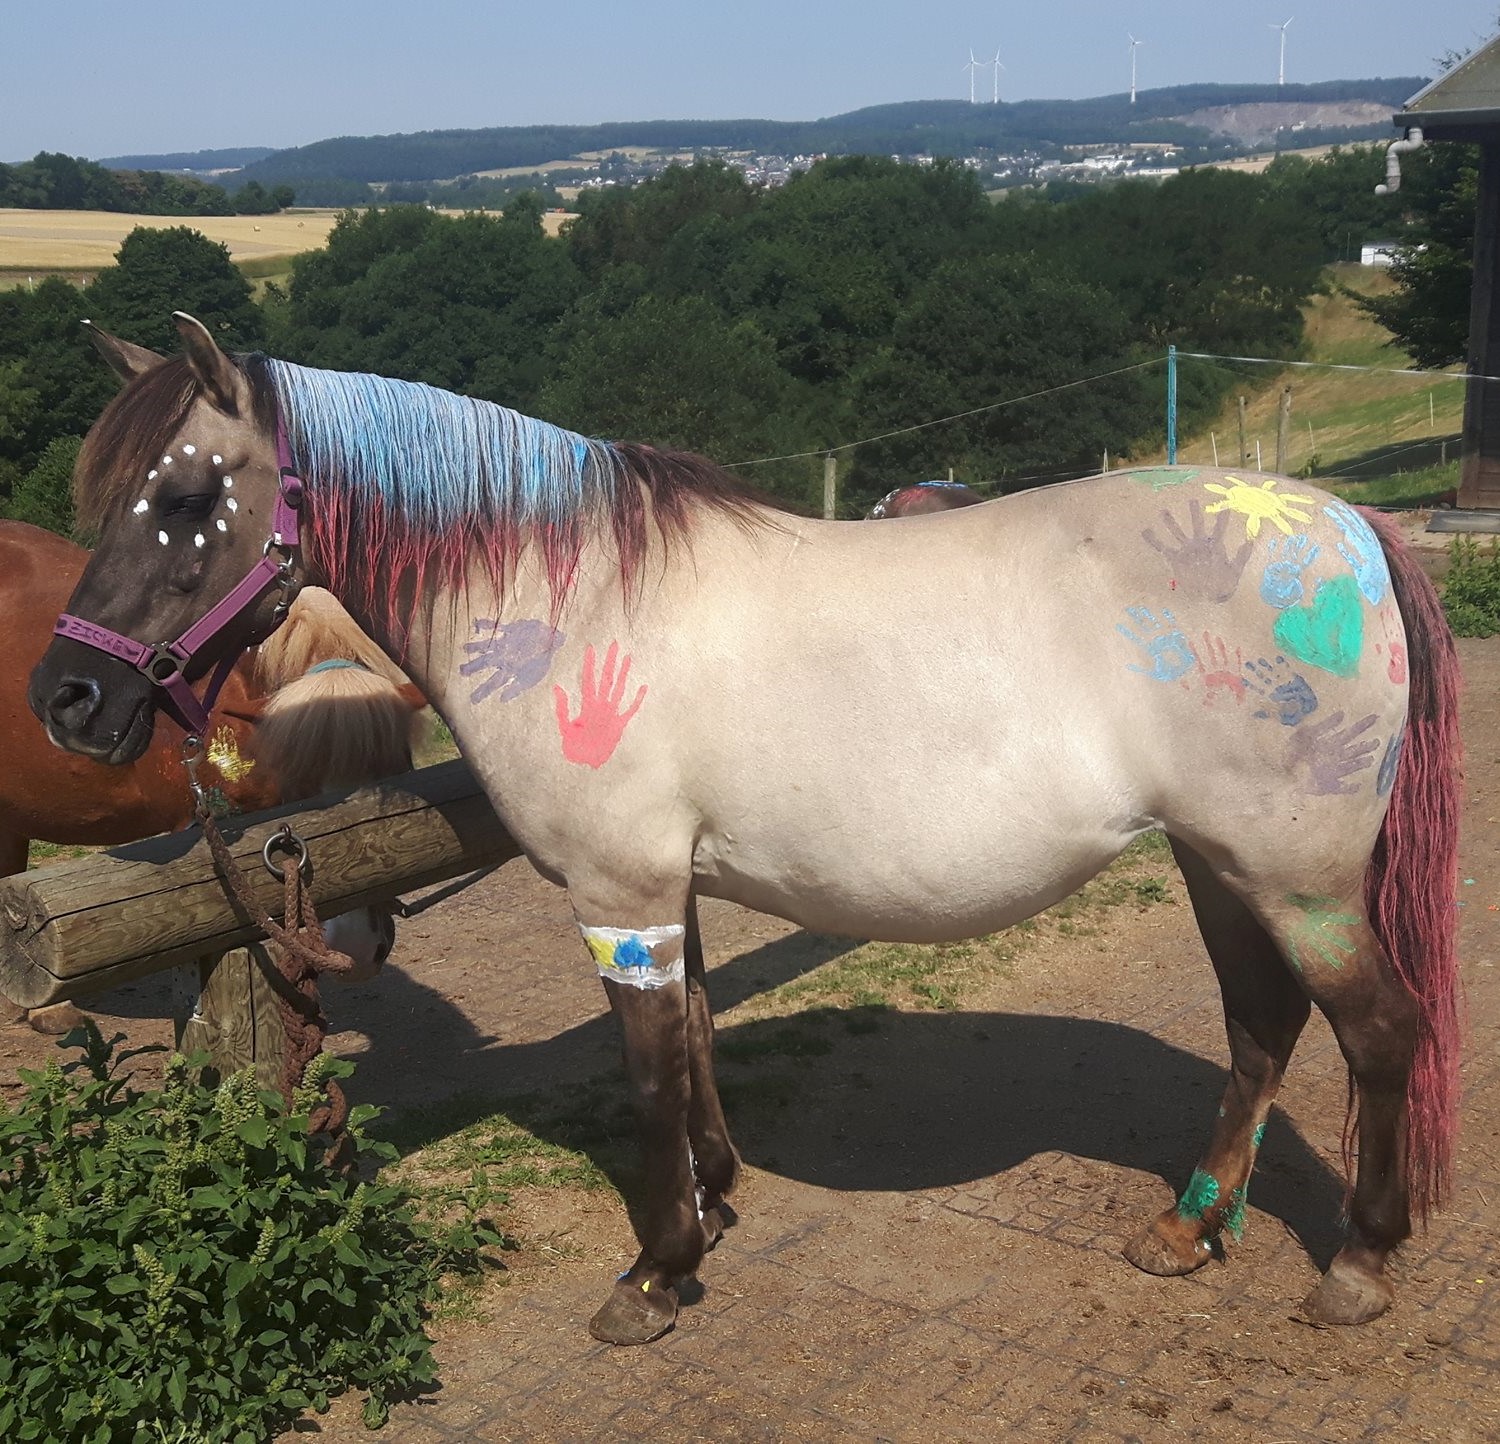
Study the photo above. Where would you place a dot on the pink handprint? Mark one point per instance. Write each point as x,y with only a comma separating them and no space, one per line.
591,737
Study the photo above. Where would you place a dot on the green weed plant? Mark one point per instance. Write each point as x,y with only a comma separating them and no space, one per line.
180,1266
1471,590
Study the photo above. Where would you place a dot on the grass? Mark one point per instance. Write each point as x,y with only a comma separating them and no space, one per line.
45,852
1373,425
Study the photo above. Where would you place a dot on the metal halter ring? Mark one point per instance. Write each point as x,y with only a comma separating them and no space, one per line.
284,841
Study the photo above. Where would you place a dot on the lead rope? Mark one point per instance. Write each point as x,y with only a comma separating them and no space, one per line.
301,951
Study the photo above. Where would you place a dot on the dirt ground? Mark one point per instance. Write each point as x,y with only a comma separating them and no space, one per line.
929,1229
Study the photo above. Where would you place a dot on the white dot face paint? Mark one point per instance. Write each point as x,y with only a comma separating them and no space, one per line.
142,506
218,461
228,482
150,476
233,504
198,540
644,958
190,451
161,536
166,461
222,524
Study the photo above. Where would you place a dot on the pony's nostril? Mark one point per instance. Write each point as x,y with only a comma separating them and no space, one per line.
74,703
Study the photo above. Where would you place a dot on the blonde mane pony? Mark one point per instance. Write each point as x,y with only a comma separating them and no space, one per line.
325,727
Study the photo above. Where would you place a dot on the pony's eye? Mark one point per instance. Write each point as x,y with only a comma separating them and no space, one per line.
194,507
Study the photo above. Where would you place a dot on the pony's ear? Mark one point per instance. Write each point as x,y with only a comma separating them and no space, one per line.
412,695
219,377
125,358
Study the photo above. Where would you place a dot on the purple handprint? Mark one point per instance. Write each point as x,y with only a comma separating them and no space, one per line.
1167,650
1288,696
1201,562
1331,753
517,656
1287,559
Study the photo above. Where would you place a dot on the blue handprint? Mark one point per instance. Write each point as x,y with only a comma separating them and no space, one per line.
1362,552
1165,647
1288,697
1289,557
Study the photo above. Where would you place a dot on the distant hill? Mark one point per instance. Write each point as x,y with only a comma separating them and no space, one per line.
1177,114
201,162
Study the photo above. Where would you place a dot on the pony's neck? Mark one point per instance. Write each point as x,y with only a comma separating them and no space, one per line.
409,487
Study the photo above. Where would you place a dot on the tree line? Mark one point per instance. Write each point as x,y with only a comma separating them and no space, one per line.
865,298
50,181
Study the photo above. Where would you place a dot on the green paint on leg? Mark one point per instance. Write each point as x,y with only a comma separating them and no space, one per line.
1158,478
1329,632
1260,1133
1319,933
1199,1196
1234,1215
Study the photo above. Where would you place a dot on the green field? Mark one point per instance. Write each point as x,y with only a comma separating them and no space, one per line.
1386,438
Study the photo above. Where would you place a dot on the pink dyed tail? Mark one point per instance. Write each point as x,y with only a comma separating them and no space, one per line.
1413,873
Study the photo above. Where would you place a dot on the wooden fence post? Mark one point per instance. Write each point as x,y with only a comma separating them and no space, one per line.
830,486
1283,429
1244,450
227,1007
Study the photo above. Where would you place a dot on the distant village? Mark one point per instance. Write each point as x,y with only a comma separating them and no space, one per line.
1079,163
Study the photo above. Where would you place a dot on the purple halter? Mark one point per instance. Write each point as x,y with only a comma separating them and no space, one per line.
166,663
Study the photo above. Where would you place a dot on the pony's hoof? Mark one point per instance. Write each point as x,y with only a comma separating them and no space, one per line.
635,1313
56,1019
1167,1247
1348,1295
717,1217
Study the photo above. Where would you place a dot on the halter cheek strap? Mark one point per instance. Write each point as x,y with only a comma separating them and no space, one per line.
166,664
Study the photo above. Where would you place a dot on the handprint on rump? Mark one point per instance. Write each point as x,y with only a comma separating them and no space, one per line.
1200,561
1169,653
1288,558
1330,752
591,737
1287,695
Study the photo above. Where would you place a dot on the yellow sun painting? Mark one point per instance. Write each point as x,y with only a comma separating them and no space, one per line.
1257,504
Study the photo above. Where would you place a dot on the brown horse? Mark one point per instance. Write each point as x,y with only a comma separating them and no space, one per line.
304,745
922,497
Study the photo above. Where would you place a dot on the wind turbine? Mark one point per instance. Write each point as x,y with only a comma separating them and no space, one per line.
1281,71
998,68
1134,44
972,67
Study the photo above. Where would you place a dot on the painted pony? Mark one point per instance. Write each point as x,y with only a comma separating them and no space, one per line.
622,641
921,497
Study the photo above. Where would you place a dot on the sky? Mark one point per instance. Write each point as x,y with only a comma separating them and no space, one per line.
118,77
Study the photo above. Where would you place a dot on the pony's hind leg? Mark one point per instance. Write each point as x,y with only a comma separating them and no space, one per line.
716,1164
1264,1012
1374,1016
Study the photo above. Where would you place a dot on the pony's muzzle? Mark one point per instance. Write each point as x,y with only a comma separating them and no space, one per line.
74,703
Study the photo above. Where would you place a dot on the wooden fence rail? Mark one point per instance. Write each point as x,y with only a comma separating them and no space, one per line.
73,928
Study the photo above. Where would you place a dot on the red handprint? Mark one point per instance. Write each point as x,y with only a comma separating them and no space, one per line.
591,737
1395,640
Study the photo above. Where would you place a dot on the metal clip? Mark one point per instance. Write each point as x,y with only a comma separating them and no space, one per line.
192,755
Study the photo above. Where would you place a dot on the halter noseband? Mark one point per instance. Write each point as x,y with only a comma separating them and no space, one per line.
165,664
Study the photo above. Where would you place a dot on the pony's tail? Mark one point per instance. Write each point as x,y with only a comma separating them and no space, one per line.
1410,884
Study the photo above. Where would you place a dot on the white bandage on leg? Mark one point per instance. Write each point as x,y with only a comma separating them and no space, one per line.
643,958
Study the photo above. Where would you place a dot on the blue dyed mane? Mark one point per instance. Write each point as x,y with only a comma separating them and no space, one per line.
432,460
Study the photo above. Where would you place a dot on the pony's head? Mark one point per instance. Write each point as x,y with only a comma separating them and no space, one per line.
178,477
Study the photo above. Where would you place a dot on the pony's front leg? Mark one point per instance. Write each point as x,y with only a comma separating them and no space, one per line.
645,979
715,1159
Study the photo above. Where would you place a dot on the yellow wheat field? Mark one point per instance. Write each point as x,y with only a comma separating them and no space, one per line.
77,241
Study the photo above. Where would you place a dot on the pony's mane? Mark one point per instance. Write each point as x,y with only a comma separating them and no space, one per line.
339,728
317,630
133,429
430,482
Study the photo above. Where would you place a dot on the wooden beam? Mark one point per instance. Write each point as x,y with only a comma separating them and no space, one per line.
76,927
1479,476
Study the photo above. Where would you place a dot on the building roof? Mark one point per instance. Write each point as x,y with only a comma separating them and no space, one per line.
1463,103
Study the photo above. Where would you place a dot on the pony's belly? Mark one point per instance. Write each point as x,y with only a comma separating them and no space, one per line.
912,899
